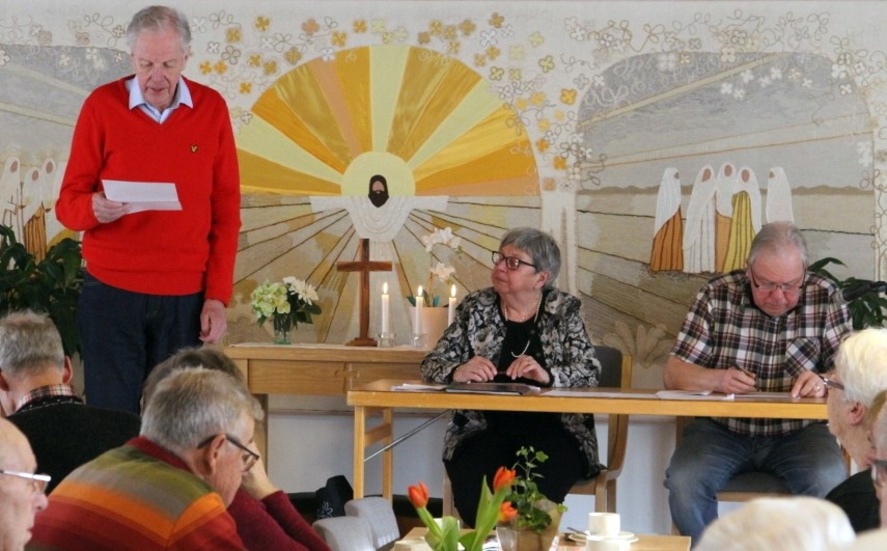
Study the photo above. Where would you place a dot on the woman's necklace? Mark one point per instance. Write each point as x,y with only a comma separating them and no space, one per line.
535,319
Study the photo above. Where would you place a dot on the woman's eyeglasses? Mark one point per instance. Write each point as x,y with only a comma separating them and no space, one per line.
511,262
38,481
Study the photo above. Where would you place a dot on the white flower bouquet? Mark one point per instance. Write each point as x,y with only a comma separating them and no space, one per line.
287,303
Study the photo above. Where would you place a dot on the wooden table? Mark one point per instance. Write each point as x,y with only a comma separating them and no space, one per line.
644,543
317,369
377,398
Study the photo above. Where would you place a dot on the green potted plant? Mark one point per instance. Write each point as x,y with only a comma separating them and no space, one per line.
867,309
535,525
51,285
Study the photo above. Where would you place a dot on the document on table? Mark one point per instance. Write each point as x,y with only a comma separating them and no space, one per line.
590,393
709,395
143,196
692,395
418,387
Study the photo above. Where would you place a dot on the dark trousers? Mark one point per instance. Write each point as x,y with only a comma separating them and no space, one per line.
483,454
125,334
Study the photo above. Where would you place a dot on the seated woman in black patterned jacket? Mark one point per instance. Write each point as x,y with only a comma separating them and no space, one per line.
524,330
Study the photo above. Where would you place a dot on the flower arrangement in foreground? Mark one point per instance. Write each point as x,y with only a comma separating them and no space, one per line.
286,303
491,509
441,271
534,511
515,503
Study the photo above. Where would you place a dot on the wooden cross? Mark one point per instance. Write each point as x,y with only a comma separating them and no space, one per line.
364,266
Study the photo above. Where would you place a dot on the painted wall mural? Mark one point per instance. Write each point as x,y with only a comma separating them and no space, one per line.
651,138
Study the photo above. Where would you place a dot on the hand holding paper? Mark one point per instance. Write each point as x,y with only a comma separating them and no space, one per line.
143,195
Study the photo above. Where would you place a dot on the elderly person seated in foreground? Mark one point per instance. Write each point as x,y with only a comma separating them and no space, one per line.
264,514
797,523
878,416
170,487
521,329
860,374
37,395
21,491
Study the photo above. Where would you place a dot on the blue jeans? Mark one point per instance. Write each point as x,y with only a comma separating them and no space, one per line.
125,334
709,454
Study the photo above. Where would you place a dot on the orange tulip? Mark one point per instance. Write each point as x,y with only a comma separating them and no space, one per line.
418,495
504,477
507,512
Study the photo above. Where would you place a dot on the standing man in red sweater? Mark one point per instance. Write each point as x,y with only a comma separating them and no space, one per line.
157,280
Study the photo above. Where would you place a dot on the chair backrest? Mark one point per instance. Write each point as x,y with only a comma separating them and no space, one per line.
345,533
615,373
379,514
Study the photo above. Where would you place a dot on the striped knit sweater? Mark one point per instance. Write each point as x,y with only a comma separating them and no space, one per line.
136,497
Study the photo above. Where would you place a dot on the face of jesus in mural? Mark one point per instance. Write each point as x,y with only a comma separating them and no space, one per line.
158,58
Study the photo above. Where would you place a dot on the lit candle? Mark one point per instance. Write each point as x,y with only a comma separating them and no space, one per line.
451,313
386,328
420,302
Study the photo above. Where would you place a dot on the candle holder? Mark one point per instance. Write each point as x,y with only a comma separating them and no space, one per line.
386,340
418,340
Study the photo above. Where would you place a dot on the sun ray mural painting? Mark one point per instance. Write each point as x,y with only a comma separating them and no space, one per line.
371,143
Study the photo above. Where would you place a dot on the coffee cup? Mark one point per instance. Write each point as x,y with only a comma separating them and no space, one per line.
604,524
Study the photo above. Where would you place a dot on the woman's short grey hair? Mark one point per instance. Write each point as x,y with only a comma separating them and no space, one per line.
861,363
193,404
158,18
29,342
541,247
779,238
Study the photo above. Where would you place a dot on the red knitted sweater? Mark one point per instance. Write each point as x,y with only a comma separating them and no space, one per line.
157,252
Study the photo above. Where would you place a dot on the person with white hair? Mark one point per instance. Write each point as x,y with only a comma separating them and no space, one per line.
860,374
156,281
21,491
168,489
797,523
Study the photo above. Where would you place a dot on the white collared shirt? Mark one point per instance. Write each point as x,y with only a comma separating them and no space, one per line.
136,99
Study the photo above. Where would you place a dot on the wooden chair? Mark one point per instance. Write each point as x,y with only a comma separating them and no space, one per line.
615,373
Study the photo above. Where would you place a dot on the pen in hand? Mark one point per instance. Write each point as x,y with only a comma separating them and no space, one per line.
750,374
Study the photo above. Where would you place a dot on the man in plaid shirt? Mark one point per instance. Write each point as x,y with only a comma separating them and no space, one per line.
772,327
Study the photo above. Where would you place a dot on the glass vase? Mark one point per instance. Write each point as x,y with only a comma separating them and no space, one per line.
283,326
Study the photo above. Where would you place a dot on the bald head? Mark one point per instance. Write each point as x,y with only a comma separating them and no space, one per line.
19,501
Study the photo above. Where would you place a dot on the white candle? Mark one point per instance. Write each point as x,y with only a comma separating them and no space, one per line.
451,312
417,322
386,328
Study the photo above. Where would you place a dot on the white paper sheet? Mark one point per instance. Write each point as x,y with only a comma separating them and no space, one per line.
143,195
692,395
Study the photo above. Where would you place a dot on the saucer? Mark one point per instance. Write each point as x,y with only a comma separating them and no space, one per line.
579,537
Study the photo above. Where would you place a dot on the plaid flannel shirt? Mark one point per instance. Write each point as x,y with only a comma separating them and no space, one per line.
725,329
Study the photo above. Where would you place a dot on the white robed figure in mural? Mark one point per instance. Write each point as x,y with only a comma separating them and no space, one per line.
779,197
668,227
746,222
699,235
724,190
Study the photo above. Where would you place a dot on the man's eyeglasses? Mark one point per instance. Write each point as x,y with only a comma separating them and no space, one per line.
879,472
249,457
38,481
786,288
830,383
511,262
